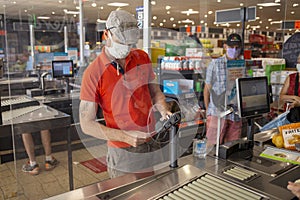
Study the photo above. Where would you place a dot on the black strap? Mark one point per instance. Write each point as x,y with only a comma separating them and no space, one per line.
296,85
115,64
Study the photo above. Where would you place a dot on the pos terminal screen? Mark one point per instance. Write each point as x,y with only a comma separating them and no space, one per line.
62,68
253,96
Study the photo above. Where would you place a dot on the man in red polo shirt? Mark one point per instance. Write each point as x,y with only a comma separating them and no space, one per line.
122,82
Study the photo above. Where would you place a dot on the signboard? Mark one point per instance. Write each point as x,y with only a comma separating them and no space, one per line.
192,29
235,69
291,50
234,15
290,25
140,16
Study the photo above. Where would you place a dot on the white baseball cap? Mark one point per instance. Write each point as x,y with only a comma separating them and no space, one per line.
124,26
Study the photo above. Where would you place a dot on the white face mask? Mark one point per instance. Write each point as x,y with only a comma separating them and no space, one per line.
233,53
118,51
298,67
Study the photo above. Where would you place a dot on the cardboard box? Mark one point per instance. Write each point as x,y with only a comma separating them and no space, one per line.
178,86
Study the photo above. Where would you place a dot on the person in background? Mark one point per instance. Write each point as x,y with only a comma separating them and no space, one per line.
32,167
122,82
294,187
214,95
287,93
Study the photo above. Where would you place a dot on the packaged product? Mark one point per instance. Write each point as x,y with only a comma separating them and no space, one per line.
290,134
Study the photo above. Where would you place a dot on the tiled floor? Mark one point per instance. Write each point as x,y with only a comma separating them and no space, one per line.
15,184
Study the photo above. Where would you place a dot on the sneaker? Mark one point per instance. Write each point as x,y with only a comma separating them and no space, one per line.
33,170
49,165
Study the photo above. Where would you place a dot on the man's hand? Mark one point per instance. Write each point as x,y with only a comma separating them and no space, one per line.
295,188
135,138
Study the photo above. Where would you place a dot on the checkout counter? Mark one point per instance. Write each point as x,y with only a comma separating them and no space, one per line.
233,170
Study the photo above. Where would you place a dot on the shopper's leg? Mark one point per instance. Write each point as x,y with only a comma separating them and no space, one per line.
234,130
46,140
212,129
29,145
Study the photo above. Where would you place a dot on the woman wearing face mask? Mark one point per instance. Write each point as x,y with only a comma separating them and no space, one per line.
214,95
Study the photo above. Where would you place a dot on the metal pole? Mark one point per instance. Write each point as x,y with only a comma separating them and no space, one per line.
31,29
218,136
81,34
66,38
147,27
173,147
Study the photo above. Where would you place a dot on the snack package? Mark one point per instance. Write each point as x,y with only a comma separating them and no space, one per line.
290,134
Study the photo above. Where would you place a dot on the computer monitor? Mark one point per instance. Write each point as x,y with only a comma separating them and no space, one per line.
253,96
62,68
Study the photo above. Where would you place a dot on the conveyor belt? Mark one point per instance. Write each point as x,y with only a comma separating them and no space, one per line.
240,173
210,187
17,102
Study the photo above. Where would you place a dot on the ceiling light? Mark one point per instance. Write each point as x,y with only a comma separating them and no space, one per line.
210,12
205,16
117,4
14,2
185,25
269,20
43,17
202,21
260,22
70,12
238,25
94,4
164,20
293,12
168,7
205,24
189,12
168,12
154,17
260,7
276,22
267,27
174,25
74,15
25,11
188,21
77,7
101,7
241,4
295,4
153,3
172,19
218,1
101,20
53,13
161,24
278,10
60,1
277,1
257,18
215,23
179,22
268,4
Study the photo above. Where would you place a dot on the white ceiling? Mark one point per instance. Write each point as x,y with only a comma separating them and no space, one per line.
16,9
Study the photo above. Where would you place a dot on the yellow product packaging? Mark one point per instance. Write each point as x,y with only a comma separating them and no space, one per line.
290,134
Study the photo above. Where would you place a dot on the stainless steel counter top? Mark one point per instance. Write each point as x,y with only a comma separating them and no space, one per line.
151,185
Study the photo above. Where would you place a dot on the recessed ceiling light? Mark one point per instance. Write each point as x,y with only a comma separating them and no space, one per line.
154,17
94,4
174,25
238,25
25,11
168,7
202,21
218,1
172,19
268,4
257,18
210,12
295,4
205,24
205,16
118,4
278,10
293,12
164,20
101,7
267,27
161,24
60,1
168,12
269,20
153,3
53,13
260,7
241,4
260,22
